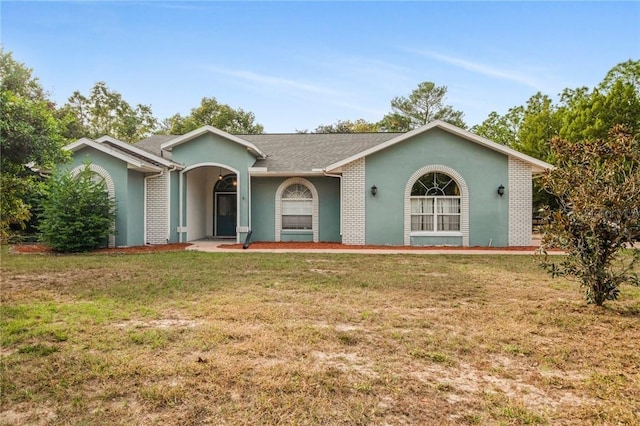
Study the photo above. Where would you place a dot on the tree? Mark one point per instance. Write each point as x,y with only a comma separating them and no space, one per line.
78,214
540,123
29,133
347,126
503,129
212,113
424,104
616,100
597,187
105,112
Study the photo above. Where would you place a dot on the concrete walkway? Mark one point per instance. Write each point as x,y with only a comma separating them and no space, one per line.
213,246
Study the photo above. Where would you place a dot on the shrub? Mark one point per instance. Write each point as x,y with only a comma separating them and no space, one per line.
77,214
597,189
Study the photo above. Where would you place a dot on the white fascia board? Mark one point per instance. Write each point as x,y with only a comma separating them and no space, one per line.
264,173
131,161
134,149
210,129
538,165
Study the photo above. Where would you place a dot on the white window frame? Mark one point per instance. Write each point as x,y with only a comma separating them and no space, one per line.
464,205
314,209
436,214
303,206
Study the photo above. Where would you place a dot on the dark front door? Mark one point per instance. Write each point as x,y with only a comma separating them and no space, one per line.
226,215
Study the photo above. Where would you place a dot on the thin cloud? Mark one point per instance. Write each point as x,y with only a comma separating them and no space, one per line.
293,88
479,68
274,82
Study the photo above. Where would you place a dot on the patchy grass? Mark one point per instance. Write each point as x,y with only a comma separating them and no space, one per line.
250,338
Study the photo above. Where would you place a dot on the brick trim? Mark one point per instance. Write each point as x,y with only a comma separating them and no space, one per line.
520,193
354,203
156,209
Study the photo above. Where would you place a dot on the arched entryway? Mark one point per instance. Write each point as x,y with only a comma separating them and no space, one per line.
225,199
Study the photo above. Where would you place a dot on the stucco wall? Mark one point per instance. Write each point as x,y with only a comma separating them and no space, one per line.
482,169
135,208
209,152
263,196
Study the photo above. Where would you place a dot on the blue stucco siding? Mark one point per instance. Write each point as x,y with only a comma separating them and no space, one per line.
210,150
263,196
482,169
135,210
118,171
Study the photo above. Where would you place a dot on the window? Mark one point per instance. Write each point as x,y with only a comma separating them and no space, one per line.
435,204
297,207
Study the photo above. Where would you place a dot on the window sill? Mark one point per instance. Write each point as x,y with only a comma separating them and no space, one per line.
435,234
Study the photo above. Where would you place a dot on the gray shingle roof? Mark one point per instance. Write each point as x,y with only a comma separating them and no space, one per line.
295,152
152,143
303,152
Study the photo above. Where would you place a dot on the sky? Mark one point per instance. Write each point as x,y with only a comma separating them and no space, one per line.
300,64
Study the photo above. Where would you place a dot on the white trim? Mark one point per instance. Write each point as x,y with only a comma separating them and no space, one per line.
436,234
464,203
315,209
262,173
111,191
133,148
130,160
210,129
538,166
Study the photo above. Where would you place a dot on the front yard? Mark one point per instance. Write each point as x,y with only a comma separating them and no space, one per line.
249,338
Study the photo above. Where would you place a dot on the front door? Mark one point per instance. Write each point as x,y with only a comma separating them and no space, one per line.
226,215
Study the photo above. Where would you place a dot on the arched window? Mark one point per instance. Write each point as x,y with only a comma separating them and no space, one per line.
435,203
297,207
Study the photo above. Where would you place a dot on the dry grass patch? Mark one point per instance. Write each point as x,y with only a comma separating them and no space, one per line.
249,338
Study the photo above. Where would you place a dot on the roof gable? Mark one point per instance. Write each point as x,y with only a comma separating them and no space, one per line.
132,162
135,151
209,129
538,166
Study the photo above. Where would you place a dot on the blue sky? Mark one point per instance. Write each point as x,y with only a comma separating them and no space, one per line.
297,65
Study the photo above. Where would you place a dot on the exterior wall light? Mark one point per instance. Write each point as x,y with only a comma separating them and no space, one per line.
374,190
501,190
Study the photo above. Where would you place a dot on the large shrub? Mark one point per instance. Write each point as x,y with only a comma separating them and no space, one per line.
596,187
78,214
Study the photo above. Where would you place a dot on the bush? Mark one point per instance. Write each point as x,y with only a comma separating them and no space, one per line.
596,186
77,214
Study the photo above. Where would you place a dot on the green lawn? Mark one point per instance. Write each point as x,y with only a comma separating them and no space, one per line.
249,338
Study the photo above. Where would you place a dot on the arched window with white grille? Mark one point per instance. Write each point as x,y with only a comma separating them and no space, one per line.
296,208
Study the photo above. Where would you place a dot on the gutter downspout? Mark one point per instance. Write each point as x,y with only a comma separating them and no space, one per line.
146,183
341,201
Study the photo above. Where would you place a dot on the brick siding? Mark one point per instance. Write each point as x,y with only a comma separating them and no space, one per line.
353,203
157,209
520,194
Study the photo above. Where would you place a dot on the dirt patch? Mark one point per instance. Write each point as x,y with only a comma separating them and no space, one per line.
162,324
44,249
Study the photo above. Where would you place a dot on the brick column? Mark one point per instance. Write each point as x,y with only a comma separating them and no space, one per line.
353,203
520,193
